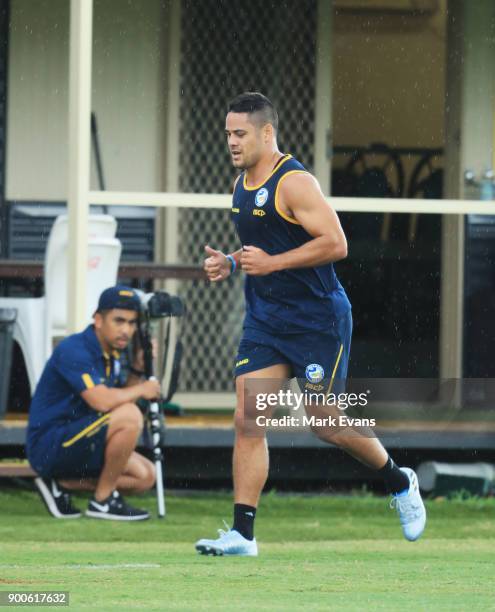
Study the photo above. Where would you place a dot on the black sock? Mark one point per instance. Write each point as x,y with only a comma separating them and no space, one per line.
244,520
395,479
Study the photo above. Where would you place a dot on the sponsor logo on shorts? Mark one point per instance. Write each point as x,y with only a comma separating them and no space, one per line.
259,213
242,362
313,387
261,197
314,373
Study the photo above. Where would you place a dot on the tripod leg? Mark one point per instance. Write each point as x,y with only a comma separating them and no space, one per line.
154,412
160,493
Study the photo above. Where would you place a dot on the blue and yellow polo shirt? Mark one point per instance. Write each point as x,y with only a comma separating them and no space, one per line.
77,363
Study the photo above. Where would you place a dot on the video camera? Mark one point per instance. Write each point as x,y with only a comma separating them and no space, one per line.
155,306
160,304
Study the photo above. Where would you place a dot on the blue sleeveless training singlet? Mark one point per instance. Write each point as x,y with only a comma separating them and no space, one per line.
290,301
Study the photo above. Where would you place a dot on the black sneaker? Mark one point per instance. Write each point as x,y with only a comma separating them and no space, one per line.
114,508
57,499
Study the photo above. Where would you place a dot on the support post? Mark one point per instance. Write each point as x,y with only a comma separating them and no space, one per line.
323,96
81,25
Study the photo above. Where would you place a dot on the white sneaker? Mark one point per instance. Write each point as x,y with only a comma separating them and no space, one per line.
410,508
229,543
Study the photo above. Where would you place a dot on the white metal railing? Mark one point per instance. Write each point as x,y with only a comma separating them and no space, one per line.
369,205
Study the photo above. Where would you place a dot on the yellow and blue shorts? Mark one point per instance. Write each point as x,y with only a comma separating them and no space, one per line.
318,359
73,450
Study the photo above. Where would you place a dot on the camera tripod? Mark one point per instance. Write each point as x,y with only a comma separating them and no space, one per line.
160,305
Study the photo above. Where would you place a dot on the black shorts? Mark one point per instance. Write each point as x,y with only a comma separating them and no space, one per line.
318,359
75,450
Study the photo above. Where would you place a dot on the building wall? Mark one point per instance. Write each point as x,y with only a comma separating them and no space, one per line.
128,95
389,79
388,86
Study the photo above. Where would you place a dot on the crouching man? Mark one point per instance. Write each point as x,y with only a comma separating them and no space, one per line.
84,423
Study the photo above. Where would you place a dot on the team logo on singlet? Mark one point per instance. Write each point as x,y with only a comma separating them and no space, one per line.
314,373
261,197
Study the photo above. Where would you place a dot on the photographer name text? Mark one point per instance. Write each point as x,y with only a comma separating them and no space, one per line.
313,421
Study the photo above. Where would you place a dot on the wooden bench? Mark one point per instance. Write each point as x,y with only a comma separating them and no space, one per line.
16,268
16,469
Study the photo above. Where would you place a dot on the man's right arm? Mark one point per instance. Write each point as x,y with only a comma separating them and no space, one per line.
106,399
218,266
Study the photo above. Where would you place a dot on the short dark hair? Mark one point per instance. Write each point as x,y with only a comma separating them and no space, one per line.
255,103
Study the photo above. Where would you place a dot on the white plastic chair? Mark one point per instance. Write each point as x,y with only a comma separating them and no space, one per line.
41,320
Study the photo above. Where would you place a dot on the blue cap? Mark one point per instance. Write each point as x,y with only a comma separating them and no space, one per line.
121,297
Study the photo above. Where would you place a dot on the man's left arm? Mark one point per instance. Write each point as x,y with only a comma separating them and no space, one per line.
300,198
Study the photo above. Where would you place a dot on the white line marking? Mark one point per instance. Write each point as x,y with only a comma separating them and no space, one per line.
90,566
113,566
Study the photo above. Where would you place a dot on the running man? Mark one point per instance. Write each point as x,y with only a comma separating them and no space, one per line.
297,313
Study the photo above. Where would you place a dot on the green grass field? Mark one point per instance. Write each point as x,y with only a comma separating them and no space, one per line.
316,552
